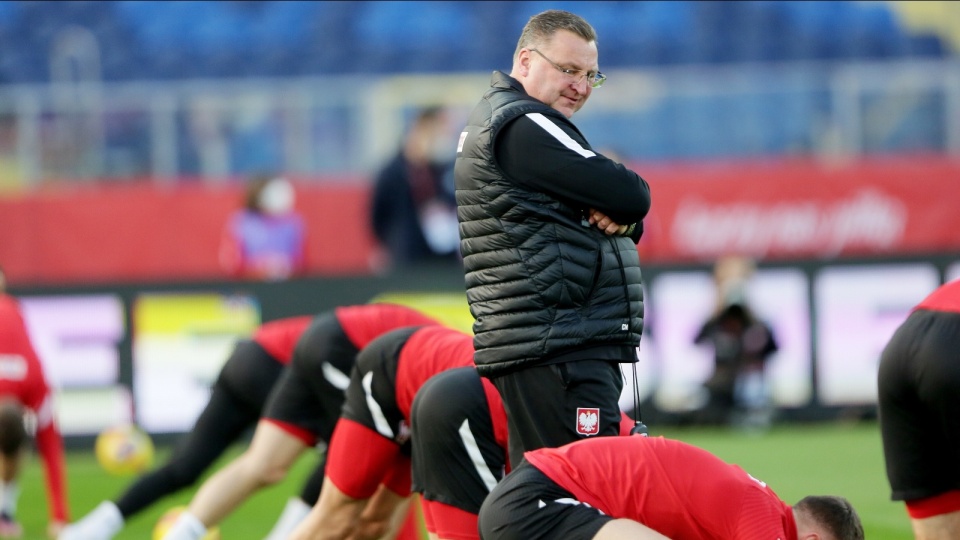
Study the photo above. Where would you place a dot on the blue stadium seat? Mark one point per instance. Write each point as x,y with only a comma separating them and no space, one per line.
926,45
411,36
149,38
757,31
9,12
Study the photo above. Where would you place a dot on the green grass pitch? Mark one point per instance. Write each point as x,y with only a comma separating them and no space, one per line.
795,460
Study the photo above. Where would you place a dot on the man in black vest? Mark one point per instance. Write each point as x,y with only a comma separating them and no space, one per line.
548,232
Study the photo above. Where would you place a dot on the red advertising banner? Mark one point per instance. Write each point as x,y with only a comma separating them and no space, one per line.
144,231
803,209
785,209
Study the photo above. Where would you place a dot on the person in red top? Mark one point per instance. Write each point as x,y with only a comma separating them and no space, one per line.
612,488
300,413
919,396
24,389
458,432
459,450
368,475
236,401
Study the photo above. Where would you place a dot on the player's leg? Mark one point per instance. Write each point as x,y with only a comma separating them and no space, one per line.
382,515
385,513
307,400
920,420
552,405
457,459
366,442
359,460
271,453
235,405
236,401
297,508
13,437
939,527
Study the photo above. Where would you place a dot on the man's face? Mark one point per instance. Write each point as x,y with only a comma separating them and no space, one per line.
544,81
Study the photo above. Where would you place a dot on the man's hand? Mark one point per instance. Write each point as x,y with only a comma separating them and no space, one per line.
606,224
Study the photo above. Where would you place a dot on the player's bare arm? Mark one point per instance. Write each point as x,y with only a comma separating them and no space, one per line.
626,529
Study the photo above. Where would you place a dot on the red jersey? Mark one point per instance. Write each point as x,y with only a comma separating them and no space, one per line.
366,322
21,377
498,415
945,298
279,337
429,351
679,490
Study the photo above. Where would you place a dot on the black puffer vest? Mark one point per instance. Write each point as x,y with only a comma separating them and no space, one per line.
540,280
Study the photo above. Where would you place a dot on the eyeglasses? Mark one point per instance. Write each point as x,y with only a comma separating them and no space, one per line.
594,78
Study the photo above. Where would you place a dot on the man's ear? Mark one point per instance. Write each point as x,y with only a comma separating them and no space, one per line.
524,61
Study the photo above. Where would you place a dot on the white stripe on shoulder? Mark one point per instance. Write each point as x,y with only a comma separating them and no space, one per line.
559,134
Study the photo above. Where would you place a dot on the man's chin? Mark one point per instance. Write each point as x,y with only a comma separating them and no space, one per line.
566,110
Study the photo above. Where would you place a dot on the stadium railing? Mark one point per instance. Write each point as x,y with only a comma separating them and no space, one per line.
168,131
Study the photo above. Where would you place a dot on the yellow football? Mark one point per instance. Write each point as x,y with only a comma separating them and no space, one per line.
124,450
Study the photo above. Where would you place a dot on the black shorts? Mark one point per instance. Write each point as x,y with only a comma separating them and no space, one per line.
919,395
248,376
310,393
526,505
456,458
545,404
371,398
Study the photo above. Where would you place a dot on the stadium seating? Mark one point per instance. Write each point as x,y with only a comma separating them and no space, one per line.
162,40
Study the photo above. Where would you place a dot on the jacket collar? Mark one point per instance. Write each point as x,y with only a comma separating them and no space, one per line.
500,79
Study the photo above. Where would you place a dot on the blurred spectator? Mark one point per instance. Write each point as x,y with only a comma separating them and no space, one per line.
266,239
26,400
741,344
413,211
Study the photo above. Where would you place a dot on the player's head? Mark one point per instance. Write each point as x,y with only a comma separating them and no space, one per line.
427,140
556,60
12,431
830,517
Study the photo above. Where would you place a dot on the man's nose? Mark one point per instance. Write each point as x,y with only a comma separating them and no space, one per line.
582,86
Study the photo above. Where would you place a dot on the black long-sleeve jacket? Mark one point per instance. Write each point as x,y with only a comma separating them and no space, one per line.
543,284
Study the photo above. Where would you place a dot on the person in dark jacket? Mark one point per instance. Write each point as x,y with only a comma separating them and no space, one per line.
742,344
548,233
412,210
